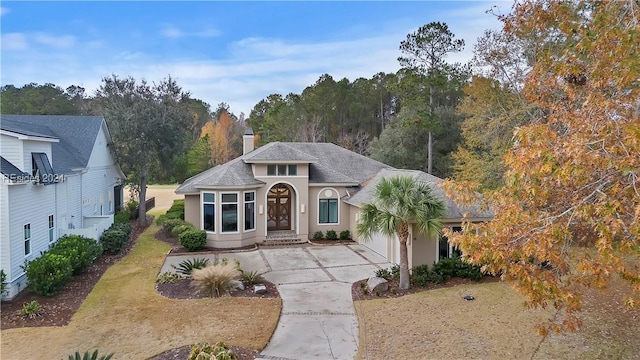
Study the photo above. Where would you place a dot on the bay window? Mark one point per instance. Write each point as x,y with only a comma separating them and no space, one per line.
229,203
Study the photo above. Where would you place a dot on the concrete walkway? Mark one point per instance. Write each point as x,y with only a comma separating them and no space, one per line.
318,320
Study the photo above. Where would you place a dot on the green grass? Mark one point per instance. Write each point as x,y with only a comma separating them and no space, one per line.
124,314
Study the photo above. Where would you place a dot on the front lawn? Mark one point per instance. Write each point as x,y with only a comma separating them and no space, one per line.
124,314
440,324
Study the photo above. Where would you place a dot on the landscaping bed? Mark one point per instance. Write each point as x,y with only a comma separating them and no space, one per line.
394,292
57,310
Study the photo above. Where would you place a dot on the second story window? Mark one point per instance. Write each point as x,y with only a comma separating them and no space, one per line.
282,170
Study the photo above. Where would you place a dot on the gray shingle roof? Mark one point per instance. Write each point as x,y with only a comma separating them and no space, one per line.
328,163
337,165
8,169
278,151
365,194
77,136
232,173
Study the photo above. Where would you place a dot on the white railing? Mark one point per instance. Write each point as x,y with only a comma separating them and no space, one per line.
94,227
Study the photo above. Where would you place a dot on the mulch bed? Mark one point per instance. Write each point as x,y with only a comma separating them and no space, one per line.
57,310
183,289
333,242
358,294
182,353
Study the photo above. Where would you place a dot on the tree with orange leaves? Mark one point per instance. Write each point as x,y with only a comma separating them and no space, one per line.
567,217
221,137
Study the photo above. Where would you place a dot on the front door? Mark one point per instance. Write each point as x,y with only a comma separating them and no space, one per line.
279,208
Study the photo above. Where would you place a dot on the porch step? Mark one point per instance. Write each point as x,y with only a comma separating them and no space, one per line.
283,242
280,238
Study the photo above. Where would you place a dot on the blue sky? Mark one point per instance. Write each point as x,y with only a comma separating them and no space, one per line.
233,52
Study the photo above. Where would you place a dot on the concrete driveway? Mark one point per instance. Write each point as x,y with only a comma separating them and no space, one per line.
318,320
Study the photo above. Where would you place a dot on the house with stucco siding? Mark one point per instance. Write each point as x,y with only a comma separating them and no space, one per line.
287,191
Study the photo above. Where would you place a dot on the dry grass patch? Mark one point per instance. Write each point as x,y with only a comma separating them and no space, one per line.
440,324
124,314
609,329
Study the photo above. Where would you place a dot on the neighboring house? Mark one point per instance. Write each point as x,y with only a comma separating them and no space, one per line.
59,176
292,190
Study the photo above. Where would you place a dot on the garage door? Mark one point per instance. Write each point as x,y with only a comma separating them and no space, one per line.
378,243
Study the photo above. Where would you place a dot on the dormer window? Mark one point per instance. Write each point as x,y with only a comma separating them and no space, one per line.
41,169
282,170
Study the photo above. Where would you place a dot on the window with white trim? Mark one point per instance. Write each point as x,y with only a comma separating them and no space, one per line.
27,239
209,212
328,211
51,229
229,203
249,210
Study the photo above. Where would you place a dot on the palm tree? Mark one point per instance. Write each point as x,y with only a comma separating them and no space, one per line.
397,203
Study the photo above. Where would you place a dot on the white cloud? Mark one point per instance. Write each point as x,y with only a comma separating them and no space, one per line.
14,41
171,32
174,32
64,41
4,10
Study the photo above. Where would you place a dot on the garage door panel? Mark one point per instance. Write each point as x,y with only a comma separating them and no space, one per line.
379,243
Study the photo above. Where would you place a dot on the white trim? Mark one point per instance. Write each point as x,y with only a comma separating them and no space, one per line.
297,162
24,240
202,211
255,216
321,195
222,232
20,136
266,204
282,176
333,184
51,231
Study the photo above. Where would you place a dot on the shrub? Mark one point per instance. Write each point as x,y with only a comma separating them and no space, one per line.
193,240
455,267
422,276
345,235
219,351
3,282
31,309
48,273
250,277
395,271
81,251
214,279
187,266
90,356
182,227
175,212
123,216
331,235
113,240
318,235
132,206
124,227
383,273
169,224
168,277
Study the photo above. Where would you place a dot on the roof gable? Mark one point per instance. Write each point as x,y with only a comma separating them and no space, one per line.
232,173
77,136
